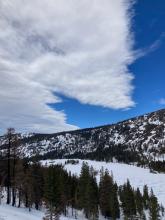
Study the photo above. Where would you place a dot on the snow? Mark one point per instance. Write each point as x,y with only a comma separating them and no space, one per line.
8,212
12,213
147,131
121,172
138,176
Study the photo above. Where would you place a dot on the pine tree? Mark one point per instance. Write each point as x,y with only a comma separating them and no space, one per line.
20,180
154,209
72,185
28,186
145,196
37,183
139,203
88,192
83,188
14,156
53,191
127,198
108,199
49,186
115,203
93,197
9,135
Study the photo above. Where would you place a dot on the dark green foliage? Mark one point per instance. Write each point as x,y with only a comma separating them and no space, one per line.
154,208
73,162
108,199
127,197
158,166
59,191
37,184
145,197
54,190
139,204
87,193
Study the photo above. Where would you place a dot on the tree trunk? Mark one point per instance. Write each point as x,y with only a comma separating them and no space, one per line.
8,174
13,189
36,205
26,200
13,196
19,199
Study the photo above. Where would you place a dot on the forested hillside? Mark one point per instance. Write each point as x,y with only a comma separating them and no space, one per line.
140,140
27,183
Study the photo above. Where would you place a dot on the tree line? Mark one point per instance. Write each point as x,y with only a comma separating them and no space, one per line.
29,184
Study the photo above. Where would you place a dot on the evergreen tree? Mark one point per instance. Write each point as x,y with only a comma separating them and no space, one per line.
83,188
28,188
93,198
139,204
14,156
115,203
9,136
49,185
127,198
145,196
37,184
88,193
20,180
154,209
108,199
54,191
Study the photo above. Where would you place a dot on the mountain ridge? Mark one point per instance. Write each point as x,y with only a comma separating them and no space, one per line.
100,126
139,139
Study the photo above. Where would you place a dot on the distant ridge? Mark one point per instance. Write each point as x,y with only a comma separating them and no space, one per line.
137,139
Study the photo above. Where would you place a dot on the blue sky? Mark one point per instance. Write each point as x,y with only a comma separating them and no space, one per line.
61,70
149,72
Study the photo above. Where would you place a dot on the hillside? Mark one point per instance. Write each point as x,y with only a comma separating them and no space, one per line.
121,172
140,139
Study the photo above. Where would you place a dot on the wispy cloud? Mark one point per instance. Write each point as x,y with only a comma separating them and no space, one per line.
81,49
162,101
153,47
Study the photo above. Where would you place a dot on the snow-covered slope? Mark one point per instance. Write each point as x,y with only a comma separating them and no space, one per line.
141,137
12,213
8,212
121,172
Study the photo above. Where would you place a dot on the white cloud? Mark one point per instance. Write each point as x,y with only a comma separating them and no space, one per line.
81,49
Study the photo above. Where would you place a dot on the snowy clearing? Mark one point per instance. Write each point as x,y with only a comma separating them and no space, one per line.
12,213
138,176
